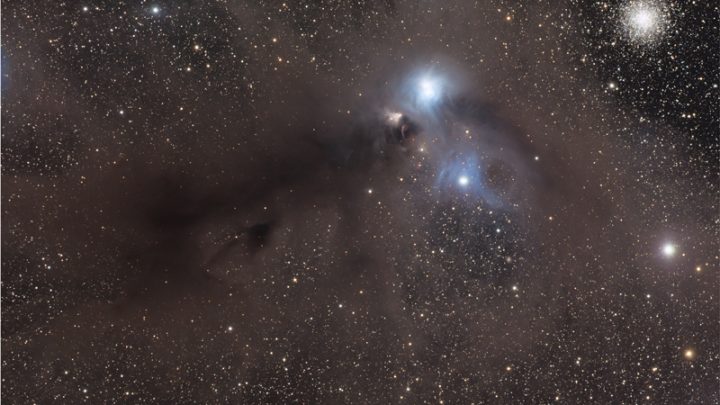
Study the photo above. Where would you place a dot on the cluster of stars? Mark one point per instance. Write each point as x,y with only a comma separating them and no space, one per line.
644,21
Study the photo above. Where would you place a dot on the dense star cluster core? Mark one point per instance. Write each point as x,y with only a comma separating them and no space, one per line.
644,22
369,202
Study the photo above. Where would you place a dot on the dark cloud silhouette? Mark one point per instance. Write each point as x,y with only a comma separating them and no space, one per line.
208,203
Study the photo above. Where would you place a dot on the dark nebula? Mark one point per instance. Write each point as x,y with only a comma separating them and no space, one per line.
360,202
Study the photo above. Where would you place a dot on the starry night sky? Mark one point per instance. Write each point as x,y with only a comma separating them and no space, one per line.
366,202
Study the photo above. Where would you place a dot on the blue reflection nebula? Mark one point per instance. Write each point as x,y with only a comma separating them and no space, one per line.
428,89
4,71
424,92
464,174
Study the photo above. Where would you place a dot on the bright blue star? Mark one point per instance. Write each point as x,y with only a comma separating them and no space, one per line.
464,173
428,89
424,91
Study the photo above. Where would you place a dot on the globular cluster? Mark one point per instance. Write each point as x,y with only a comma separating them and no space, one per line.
328,202
645,22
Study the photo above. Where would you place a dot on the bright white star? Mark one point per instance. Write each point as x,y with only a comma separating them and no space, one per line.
669,250
463,181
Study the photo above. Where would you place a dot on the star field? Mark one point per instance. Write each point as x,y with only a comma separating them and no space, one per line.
448,202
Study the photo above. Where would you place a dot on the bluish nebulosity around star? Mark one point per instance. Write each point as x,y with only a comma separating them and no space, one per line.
428,89
424,92
360,202
463,174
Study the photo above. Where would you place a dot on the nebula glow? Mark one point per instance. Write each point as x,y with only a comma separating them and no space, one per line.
464,173
425,91
428,89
